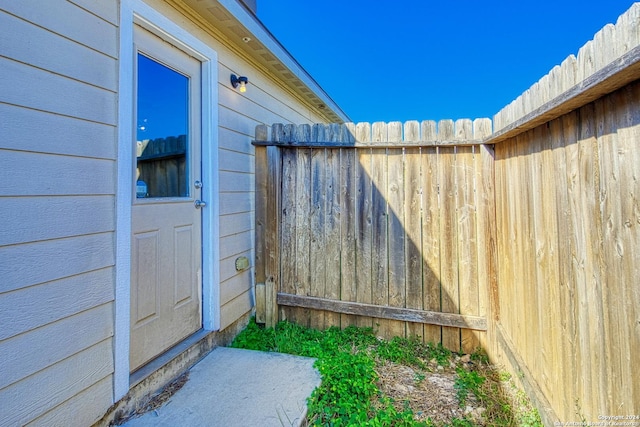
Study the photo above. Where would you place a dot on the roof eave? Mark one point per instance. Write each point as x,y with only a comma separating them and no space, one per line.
234,21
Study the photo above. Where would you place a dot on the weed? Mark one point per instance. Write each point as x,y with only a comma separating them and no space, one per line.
402,350
348,381
530,418
462,422
504,376
480,356
254,337
468,381
439,353
579,414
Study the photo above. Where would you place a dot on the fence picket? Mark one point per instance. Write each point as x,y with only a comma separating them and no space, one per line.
298,233
448,231
289,233
332,222
379,214
428,131
348,189
562,317
396,225
620,171
466,223
364,223
430,207
413,226
303,207
628,30
486,230
317,220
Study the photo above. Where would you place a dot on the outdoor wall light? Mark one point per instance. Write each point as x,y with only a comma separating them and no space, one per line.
239,81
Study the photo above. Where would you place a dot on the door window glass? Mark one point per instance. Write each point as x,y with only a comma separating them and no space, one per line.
162,130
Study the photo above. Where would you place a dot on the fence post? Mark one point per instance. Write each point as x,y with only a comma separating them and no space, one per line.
267,223
261,134
273,178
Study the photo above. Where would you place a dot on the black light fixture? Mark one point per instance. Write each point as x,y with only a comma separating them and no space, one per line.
239,81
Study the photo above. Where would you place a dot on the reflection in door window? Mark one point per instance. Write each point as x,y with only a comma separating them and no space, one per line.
162,130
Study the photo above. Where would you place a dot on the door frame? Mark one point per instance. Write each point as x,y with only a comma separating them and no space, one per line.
138,12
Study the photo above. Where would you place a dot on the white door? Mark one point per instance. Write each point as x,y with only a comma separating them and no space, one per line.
166,264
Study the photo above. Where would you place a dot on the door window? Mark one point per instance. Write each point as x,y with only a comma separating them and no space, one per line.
162,167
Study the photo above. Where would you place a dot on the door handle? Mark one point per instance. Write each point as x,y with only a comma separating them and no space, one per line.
199,204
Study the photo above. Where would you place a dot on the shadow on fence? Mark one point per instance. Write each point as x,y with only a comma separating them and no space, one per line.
358,225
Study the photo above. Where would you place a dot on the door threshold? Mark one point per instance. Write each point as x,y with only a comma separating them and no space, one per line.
165,359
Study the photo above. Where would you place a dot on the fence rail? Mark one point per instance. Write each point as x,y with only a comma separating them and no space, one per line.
379,225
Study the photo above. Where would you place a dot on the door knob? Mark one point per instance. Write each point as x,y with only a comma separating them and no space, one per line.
199,204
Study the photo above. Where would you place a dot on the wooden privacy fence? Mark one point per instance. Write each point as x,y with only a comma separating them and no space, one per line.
400,227
360,224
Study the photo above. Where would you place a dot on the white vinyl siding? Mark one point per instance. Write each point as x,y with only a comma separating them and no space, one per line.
58,105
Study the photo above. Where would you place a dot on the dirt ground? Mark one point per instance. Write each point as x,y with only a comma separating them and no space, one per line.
429,392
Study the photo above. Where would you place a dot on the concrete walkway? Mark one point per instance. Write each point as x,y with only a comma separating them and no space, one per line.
232,387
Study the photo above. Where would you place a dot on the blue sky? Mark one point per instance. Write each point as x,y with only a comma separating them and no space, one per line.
416,60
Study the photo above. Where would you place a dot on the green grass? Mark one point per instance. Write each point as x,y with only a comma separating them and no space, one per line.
349,393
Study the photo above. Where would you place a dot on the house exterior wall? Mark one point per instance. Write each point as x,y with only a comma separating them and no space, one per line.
58,153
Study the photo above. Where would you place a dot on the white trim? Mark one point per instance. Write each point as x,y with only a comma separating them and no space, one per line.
123,205
139,12
211,214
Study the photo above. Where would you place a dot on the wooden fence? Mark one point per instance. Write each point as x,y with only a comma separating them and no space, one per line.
568,213
358,225
568,219
531,250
